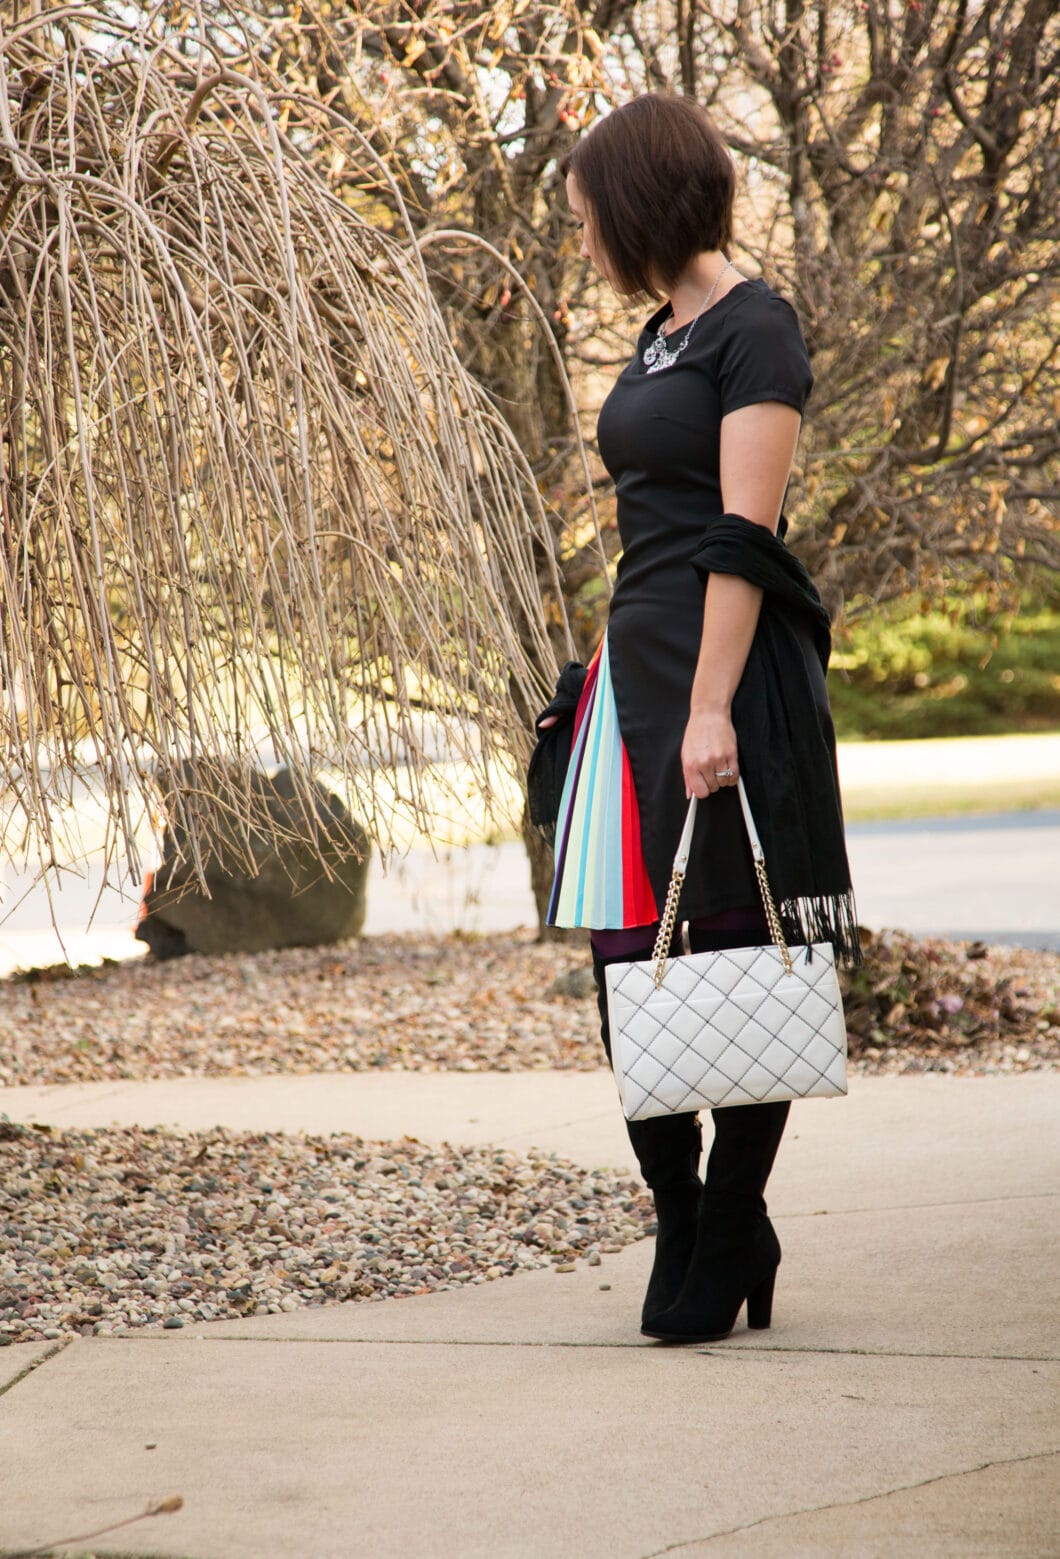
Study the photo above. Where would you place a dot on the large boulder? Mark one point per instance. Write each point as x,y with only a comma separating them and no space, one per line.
289,899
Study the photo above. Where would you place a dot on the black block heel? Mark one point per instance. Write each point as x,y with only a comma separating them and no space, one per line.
723,1273
760,1304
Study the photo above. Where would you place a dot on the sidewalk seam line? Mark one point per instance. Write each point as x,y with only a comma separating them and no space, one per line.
867,1499
922,1207
156,1335
36,1364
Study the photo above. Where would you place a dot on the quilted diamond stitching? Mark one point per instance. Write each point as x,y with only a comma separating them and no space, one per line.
705,1037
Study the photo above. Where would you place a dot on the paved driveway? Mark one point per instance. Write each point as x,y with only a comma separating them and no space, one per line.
996,878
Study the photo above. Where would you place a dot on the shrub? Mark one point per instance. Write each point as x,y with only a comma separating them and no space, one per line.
953,670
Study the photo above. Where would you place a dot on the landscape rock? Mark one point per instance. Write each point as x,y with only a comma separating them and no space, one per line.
577,982
305,889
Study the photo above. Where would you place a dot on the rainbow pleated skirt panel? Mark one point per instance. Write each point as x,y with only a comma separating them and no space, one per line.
601,880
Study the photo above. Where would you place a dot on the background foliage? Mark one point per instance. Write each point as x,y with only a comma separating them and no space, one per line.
962,669
900,182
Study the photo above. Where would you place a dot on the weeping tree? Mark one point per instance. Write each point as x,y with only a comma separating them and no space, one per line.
248,492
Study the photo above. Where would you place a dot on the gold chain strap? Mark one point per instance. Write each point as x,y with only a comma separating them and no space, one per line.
771,914
673,893
666,926
669,918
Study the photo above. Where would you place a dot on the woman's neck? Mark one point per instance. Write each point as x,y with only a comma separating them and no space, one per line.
708,270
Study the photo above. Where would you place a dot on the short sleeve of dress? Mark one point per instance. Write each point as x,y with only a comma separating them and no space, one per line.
763,356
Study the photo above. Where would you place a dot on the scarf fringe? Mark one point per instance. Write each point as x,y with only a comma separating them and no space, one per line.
829,918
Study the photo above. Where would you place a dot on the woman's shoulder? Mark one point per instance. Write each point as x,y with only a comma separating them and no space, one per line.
760,319
762,354
755,300
749,300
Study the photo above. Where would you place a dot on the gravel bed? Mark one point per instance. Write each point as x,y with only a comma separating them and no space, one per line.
401,1003
103,1231
477,1004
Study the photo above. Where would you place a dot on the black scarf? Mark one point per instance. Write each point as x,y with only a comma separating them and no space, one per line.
548,763
785,735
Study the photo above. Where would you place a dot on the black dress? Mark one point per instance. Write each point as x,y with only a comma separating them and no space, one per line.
660,437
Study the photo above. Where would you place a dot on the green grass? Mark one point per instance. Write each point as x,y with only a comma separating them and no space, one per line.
903,673
889,805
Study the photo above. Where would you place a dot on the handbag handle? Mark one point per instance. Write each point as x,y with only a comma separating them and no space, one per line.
677,877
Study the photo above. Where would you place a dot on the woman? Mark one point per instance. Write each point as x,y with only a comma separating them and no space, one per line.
712,665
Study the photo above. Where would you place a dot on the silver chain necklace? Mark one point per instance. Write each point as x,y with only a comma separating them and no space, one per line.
658,355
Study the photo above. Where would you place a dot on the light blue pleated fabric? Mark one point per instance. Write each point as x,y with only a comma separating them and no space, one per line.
588,887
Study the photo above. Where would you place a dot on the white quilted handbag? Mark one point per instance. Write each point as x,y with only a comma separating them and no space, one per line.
742,1026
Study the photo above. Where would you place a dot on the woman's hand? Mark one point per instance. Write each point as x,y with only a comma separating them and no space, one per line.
708,753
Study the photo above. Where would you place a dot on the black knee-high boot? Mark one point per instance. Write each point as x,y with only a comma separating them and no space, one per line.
668,1149
737,1252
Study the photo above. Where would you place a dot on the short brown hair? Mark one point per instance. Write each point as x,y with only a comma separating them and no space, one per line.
659,183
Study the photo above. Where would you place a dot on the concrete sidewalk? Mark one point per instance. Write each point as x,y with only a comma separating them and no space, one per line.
905,1401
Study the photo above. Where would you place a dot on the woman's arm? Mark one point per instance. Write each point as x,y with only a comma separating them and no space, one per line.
757,447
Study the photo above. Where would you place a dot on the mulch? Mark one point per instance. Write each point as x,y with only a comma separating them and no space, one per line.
478,1004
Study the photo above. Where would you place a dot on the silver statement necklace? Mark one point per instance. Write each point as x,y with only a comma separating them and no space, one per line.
659,355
